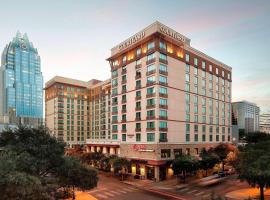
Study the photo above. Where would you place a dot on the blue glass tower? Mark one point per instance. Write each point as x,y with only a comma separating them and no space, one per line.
21,82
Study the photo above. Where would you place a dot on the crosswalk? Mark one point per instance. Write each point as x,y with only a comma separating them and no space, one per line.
195,192
105,193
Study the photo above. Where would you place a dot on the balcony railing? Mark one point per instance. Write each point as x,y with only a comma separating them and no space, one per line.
150,95
163,83
163,61
151,61
124,72
163,106
138,129
150,106
163,72
138,66
163,129
138,119
124,81
138,76
150,117
150,83
138,97
138,87
138,108
150,129
163,95
163,140
124,111
163,117
150,72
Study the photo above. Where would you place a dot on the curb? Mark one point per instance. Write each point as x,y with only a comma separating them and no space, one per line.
166,194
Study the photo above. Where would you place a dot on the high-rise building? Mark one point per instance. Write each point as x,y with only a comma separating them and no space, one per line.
21,82
77,111
265,123
247,116
167,99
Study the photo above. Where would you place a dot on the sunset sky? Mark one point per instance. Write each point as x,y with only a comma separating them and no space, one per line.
75,37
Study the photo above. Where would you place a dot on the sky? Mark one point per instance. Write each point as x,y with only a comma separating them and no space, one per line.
74,38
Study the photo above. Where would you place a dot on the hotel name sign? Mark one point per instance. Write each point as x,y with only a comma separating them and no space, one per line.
132,40
139,36
172,33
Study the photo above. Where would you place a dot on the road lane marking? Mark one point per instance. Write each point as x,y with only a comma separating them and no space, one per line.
184,189
102,196
115,192
200,193
192,191
109,194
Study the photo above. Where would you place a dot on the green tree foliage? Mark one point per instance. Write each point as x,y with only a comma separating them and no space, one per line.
120,165
222,150
184,164
208,159
33,166
254,162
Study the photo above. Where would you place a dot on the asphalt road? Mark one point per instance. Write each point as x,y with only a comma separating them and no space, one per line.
110,188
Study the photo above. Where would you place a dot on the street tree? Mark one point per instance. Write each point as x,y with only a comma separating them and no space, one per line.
254,164
208,160
222,150
37,165
120,165
184,164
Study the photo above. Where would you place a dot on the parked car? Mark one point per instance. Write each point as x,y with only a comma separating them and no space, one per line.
221,174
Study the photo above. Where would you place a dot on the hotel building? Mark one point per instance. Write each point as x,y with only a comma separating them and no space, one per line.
77,110
167,99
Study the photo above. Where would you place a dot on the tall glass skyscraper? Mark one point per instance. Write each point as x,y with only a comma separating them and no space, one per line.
21,82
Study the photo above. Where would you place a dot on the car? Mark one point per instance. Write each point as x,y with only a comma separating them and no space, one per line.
221,174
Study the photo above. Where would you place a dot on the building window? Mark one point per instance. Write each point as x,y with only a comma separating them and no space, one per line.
203,138
151,68
151,90
163,79
187,57
138,51
165,153
210,68
203,64
150,125
196,61
163,56
162,68
196,138
115,73
150,45
216,71
162,90
114,136
187,68
163,102
151,57
150,137
138,137
187,78
124,137
151,79
162,45
187,137
187,87
163,137
162,124
163,113
177,152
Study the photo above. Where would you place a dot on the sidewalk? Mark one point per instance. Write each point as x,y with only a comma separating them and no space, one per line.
247,193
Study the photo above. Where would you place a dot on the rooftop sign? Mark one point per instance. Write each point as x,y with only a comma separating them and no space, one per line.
132,40
171,33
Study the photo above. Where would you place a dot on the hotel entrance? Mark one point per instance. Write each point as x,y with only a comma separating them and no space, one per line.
150,172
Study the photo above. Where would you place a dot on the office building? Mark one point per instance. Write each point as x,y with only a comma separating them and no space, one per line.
167,99
265,123
247,115
21,83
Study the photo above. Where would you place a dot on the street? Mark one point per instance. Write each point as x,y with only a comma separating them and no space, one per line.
112,188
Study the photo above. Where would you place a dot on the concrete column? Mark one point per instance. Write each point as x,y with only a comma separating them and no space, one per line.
87,149
92,149
118,151
98,149
112,151
157,173
104,150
